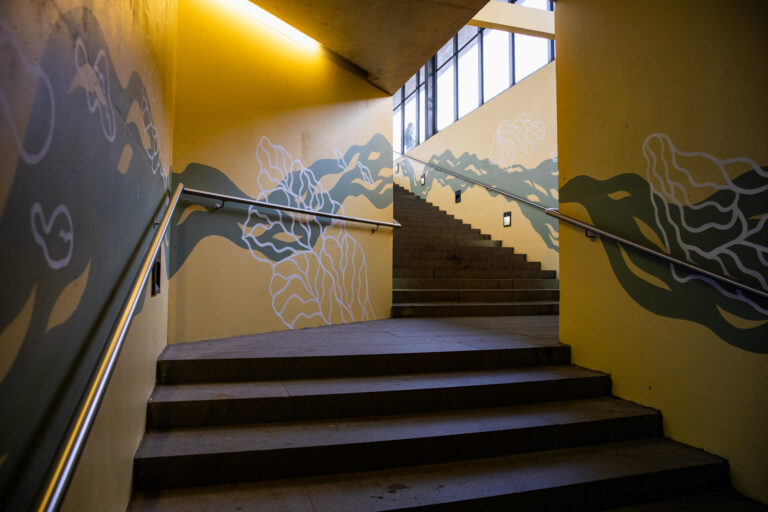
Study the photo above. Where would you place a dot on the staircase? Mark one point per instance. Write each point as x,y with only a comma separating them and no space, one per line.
443,267
432,413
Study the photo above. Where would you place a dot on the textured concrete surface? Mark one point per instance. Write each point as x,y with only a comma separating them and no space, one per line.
517,479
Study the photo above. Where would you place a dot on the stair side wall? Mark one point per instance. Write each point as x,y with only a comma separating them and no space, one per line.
656,99
262,116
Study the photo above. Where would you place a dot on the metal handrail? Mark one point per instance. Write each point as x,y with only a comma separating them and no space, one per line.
554,212
491,188
86,413
245,200
75,439
590,229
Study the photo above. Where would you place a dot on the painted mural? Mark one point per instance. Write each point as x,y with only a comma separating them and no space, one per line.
697,207
78,208
318,269
538,184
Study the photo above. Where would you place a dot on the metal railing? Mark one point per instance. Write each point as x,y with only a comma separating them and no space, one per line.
491,188
592,231
68,456
253,202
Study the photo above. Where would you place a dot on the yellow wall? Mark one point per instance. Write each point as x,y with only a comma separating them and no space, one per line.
509,142
648,91
85,154
260,115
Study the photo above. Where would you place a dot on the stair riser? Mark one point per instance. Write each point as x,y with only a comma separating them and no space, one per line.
416,244
158,473
315,407
489,264
459,252
490,309
521,273
474,295
603,494
490,284
407,233
241,370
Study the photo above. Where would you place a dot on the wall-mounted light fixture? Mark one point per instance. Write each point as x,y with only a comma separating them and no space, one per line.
507,219
458,196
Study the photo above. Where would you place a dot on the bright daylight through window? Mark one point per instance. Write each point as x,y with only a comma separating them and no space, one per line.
474,66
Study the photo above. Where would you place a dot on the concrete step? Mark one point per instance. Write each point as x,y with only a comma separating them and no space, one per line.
583,478
474,295
485,284
215,455
450,309
512,262
372,348
439,233
518,273
458,252
416,244
224,403
720,501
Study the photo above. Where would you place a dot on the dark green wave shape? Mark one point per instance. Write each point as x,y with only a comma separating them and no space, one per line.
696,300
376,155
518,180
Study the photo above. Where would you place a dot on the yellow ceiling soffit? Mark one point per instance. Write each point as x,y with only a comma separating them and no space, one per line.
516,18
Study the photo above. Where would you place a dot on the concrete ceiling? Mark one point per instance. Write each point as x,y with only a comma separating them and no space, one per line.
389,39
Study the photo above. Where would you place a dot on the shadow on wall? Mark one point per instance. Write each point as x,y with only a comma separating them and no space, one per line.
538,185
315,271
688,206
82,199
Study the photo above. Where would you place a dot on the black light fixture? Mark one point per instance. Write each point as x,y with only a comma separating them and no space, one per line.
458,196
507,219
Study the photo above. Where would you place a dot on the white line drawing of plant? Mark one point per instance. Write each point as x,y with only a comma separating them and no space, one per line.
327,279
667,189
66,233
364,170
8,41
521,135
97,90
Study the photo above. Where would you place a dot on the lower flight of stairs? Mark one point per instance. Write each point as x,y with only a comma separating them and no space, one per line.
448,414
443,267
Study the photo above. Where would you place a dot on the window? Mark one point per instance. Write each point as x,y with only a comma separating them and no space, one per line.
446,111
471,68
496,62
469,78
531,53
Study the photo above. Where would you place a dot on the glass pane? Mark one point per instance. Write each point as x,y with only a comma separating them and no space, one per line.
409,135
397,98
469,71
410,85
536,4
465,34
445,53
422,113
531,53
422,74
495,62
397,134
445,90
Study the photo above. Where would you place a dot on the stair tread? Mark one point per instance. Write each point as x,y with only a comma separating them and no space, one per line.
438,483
337,432
474,303
730,501
389,336
369,384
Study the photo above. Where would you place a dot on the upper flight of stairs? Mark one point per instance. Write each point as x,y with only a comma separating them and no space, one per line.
443,267
443,413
